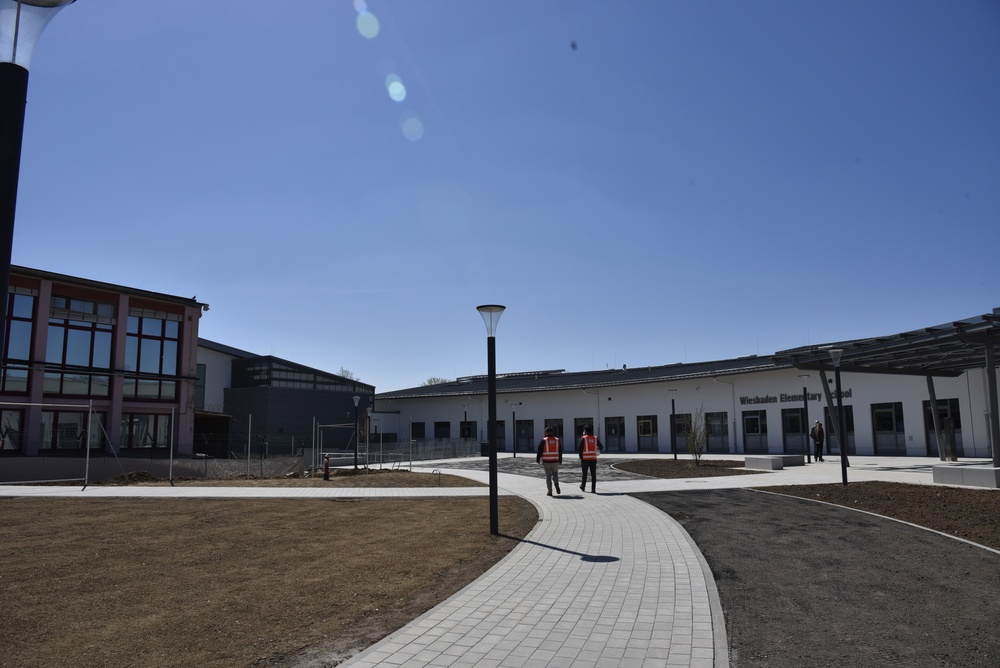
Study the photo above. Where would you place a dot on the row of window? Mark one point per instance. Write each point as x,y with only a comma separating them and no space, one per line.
887,425
79,350
68,430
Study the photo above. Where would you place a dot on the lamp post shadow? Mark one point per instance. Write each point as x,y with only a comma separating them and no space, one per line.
591,558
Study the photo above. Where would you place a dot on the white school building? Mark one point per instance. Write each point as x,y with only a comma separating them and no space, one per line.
750,405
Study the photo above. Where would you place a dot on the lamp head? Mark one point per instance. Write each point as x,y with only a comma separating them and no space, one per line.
21,24
491,316
357,400
835,355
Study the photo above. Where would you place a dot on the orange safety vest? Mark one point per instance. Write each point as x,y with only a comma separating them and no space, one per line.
550,449
589,448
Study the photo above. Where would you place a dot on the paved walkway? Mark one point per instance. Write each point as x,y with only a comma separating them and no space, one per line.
604,579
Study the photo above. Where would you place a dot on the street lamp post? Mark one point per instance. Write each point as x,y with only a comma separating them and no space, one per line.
357,400
805,415
21,24
835,355
673,428
491,316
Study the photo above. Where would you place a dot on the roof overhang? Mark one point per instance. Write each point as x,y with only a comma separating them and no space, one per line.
943,350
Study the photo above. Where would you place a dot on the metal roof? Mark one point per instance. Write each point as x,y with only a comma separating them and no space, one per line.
558,379
942,350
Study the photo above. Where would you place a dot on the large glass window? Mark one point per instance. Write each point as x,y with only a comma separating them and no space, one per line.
10,430
79,342
145,431
67,430
151,353
20,313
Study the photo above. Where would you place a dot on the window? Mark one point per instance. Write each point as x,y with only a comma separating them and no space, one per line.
442,430
646,425
10,431
78,348
417,430
151,353
67,430
145,431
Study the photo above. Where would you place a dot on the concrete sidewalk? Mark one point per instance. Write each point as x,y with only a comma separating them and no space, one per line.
603,579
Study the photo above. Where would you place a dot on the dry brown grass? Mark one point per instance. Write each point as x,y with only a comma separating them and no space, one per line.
245,582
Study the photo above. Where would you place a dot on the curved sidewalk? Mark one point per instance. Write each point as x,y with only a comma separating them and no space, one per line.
603,579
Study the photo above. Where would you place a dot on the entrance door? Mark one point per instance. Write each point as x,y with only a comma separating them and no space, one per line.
718,432
951,426
793,431
754,431
614,434
890,433
831,445
646,431
524,436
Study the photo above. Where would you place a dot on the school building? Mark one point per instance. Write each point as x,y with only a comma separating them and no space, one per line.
749,405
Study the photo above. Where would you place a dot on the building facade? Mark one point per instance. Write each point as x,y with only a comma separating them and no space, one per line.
751,405
95,366
263,405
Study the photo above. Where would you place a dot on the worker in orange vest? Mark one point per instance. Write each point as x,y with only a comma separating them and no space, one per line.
550,454
589,446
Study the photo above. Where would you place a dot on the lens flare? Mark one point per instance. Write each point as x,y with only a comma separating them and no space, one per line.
411,126
368,25
397,91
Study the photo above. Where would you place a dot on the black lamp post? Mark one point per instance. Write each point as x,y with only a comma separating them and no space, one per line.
357,400
805,415
835,354
21,24
491,316
673,428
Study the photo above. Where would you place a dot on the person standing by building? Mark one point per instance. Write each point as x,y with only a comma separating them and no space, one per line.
550,454
817,437
589,446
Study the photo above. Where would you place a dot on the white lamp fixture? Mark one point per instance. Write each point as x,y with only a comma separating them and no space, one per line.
491,316
21,24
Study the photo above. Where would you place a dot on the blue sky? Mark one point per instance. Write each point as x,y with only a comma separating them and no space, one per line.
693,181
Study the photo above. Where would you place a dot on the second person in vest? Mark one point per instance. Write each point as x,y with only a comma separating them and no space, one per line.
550,454
589,446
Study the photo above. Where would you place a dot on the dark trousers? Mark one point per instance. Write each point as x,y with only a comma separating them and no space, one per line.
819,450
592,466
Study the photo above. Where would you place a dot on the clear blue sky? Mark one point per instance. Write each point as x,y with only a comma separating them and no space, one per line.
693,181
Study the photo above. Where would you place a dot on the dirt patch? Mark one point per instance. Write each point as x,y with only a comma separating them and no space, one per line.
972,514
685,468
223,582
338,478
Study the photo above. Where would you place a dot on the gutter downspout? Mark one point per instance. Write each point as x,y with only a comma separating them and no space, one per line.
732,389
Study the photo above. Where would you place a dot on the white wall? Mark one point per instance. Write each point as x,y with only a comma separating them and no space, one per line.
218,377
770,391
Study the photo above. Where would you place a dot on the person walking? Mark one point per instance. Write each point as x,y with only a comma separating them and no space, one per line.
550,454
589,447
817,437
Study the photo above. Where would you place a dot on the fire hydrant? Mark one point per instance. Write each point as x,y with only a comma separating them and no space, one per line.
326,467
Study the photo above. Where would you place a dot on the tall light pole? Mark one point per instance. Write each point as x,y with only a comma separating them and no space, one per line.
835,354
357,400
805,415
673,429
491,316
21,24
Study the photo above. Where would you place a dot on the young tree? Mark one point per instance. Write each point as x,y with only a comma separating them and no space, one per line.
697,436
348,374
434,380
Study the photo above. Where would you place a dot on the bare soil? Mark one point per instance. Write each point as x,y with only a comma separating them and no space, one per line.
305,583
972,514
235,582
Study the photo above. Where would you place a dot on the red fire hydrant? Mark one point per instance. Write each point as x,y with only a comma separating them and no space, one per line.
326,467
